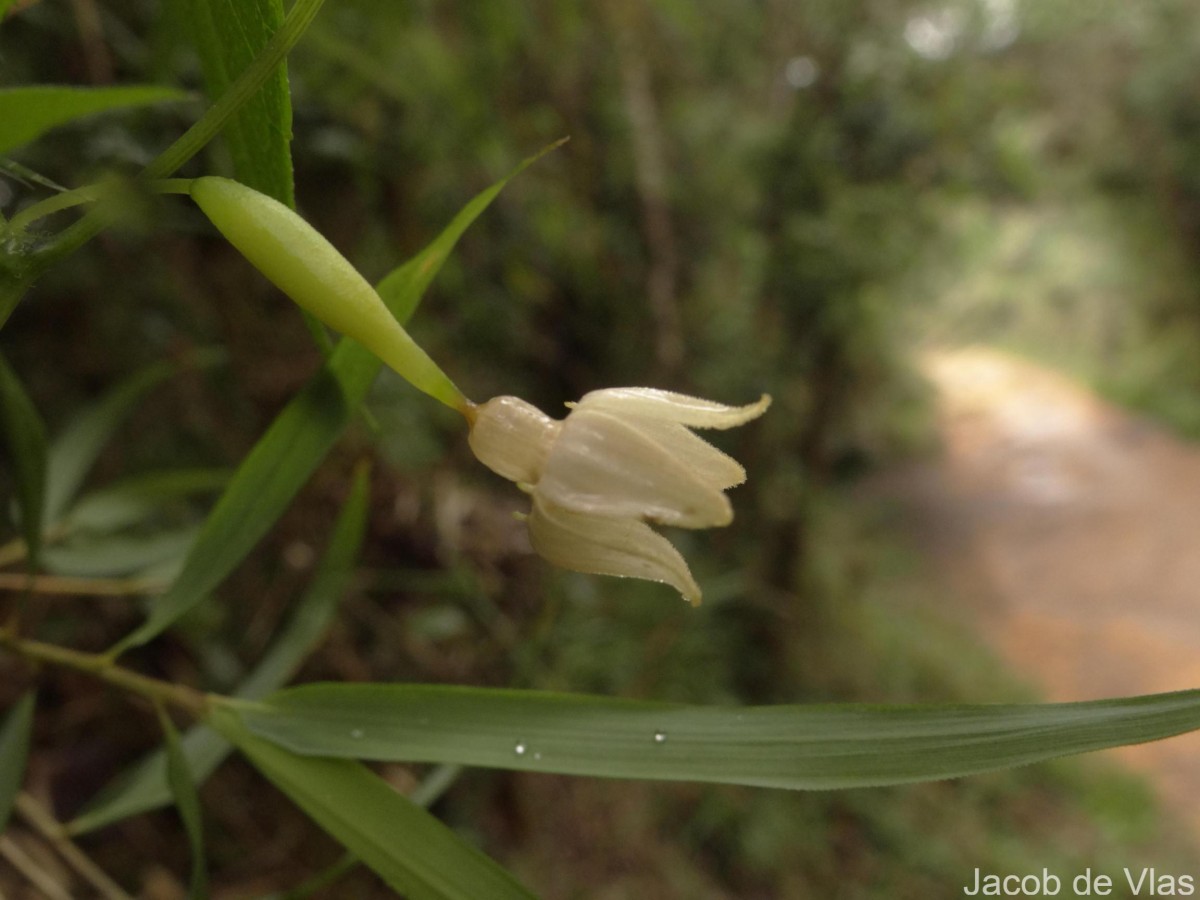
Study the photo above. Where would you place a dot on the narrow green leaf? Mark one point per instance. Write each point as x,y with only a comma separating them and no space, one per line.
29,112
26,175
404,286
25,437
14,753
75,450
112,556
138,498
183,788
260,490
229,35
144,787
407,847
316,609
424,795
20,272
299,438
800,747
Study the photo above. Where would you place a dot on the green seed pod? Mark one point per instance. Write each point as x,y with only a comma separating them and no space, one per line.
306,267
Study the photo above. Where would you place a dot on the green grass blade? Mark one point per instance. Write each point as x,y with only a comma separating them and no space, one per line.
229,35
14,753
187,801
144,787
29,112
25,436
75,450
316,609
18,274
800,747
113,556
299,438
410,849
139,498
260,490
403,287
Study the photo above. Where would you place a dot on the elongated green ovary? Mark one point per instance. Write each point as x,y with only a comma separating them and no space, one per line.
306,267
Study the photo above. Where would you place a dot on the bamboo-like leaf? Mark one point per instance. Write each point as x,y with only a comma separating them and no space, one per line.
229,35
403,288
111,556
135,499
14,753
29,112
75,450
407,847
25,436
144,787
187,801
19,273
801,747
296,442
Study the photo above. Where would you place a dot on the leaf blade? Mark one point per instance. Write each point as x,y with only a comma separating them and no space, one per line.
187,801
795,747
25,435
362,811
75,449
144,787
229,35
15,733
29,112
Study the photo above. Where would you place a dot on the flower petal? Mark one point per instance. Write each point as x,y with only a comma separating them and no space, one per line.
598,545
691,411
605,466
692,452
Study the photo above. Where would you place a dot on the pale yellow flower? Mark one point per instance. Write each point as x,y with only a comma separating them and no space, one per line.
621,457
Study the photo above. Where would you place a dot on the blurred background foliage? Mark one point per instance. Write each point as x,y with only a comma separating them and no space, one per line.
762,196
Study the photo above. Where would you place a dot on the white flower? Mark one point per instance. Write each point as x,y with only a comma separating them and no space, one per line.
621,457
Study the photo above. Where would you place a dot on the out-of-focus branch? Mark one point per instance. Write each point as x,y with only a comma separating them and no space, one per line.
42,880
53,832
91,35
627,23
70,584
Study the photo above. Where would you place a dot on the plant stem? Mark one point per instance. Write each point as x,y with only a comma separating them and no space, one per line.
184,148
53,831
67,199
68,584
101,666
37,876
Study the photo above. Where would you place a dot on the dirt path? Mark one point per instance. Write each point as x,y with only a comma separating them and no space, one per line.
1076,528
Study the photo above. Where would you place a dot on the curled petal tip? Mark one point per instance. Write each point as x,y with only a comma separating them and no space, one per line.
600,545
652,403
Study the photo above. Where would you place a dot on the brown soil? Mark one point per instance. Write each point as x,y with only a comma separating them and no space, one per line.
1074,527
